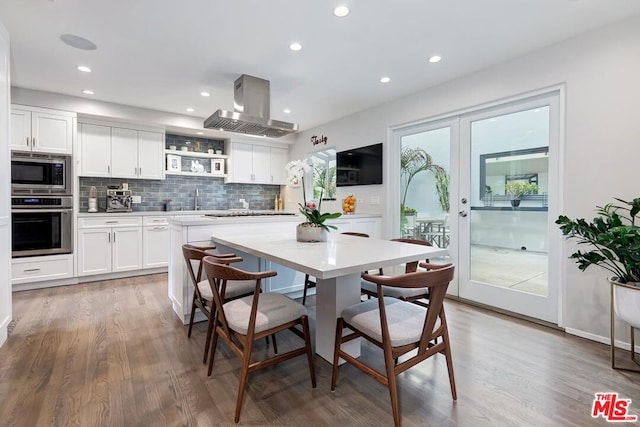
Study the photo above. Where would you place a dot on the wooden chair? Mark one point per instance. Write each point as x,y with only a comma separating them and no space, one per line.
309,283
242,321
415,295
399,327
202,294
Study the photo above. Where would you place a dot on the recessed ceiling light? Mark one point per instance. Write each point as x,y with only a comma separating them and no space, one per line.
341,11
191,110
78,42
205,94
83,68
295,46
385,79
88,92
286,111
435,58
200,133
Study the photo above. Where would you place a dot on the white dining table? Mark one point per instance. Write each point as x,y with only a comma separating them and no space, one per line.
336,264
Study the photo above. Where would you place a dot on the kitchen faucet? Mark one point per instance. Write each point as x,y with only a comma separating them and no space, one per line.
195,201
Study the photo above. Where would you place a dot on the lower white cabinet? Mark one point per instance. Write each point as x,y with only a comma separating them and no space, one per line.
155,237
371,225
107,245
41,268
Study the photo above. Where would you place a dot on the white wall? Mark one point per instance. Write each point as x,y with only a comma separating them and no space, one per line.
5,211
602,131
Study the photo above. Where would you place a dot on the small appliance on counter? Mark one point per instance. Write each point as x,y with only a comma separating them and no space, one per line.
93,200
118,200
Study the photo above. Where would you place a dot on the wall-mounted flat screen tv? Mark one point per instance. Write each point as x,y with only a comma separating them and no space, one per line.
360,166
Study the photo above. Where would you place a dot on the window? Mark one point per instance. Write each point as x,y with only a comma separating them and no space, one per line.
324,173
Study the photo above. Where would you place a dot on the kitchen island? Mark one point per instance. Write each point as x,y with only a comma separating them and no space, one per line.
199,230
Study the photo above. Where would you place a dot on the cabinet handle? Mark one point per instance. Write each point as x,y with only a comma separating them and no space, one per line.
140,172
30,270
33,141
27,141
114,237
108,169
109,237
111,222
159,228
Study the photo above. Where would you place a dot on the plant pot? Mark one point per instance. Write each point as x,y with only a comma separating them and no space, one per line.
515,203
626,301
308,232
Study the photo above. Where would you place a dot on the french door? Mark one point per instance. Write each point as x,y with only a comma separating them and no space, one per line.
504,183
509,184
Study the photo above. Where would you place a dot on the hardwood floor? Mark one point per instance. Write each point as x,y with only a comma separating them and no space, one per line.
114,354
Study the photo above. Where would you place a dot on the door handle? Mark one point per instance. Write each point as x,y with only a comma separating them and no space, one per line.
463,214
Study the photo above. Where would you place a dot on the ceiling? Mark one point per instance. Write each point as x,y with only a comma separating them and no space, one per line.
162,54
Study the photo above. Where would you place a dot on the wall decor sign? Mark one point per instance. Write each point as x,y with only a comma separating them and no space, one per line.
316,140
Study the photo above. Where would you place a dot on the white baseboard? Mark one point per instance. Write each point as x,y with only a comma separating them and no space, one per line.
121,274
3,329
599,338
46,284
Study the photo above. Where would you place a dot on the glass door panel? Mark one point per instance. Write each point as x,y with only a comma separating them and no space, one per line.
425,166
507,173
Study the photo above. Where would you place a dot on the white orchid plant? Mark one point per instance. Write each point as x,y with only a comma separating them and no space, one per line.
296,171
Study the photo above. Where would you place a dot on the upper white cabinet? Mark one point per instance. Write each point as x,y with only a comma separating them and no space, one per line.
256,164
109,151
41,130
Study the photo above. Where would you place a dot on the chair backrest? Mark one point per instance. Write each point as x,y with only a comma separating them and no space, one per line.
219,274
353,233
193,256
410,267
436,278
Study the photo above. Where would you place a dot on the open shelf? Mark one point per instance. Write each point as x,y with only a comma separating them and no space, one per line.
189,173
196,154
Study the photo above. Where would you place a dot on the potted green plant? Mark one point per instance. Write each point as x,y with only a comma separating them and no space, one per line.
314,229
517,189
613,239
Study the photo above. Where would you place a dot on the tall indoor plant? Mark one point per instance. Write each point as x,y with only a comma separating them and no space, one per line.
613,239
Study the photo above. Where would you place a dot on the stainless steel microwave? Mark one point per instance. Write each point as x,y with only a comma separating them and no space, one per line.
33,173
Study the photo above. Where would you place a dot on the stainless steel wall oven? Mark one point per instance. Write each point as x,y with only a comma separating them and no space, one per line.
41,225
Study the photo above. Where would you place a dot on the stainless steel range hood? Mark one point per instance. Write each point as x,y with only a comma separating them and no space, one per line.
251,111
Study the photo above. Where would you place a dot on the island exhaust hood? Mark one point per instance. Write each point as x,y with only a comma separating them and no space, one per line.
251,113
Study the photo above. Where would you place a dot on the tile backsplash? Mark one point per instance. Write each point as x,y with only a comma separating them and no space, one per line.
214,193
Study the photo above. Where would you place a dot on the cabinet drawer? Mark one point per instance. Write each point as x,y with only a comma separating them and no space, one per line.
36,269
116,221
155,220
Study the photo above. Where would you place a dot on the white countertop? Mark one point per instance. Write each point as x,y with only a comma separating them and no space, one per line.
339,255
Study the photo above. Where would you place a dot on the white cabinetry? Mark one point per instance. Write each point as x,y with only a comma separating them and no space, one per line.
371,225
109,151
41,130
37,269
155,236
107,245
256,164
